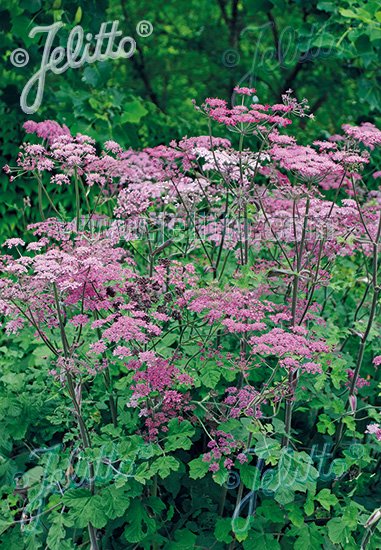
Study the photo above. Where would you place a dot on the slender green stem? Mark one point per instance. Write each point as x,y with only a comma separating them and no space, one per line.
293,376
363,340
111,399
77,407
221,505
223,234
196,229
40,199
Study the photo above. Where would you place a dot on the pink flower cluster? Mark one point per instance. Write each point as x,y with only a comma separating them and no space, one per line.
366,133
360,381
374,429
48,130
293,348
237,310
243,402
155,390
222,447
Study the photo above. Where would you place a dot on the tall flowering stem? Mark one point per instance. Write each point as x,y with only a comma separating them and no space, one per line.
376,291
293,376
77,412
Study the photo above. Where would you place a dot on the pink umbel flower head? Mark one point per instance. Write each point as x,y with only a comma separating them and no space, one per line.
244,91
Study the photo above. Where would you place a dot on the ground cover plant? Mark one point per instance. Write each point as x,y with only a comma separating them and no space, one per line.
193,344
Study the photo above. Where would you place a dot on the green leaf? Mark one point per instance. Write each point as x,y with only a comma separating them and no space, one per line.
309,536
360,15
139,523
350,422
56,533
156,504
184,540
295,472
267,448
338,531
78,15
271,511
309,506
198,468
363,44
164,465
241,527
210,376
178,436
223,529
133,112
350,516
85,508
91,76
116,501
261,541
260,5
348,13
33,476
325,425
143,472
326,6
326,499
250,476
4,525
221,476
295,514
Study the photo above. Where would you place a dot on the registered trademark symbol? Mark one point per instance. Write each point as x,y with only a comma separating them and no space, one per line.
144,28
